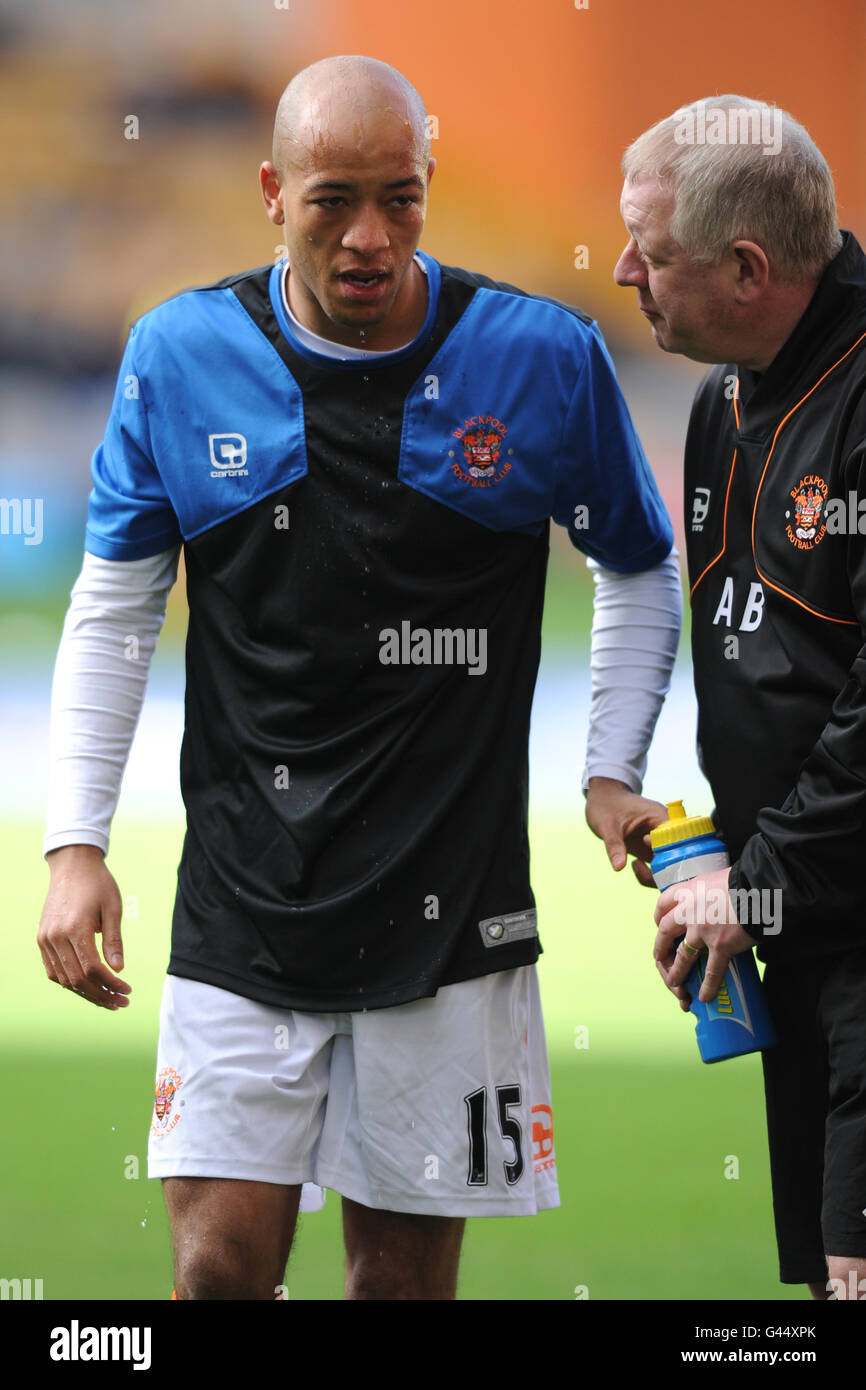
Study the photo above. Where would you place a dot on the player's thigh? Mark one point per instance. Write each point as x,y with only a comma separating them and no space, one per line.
231,1222
235,1123
393,1254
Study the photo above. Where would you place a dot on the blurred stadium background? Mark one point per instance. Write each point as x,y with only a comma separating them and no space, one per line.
533,107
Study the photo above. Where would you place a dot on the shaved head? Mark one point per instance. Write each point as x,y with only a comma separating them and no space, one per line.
341,95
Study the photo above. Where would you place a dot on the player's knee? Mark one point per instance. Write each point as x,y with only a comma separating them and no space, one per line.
377,1275
367,1280
221,1269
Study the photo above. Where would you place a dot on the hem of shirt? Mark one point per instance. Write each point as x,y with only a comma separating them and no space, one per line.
519,954
617,772
802,1271
61,838
129,550
648,559
472,1203
164,1166
850,1246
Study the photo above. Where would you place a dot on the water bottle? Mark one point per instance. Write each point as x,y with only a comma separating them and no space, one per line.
737,1021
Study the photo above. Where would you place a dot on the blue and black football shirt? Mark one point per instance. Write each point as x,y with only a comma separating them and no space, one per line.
366,545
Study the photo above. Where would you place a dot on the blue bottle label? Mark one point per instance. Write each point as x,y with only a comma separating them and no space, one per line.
729,1005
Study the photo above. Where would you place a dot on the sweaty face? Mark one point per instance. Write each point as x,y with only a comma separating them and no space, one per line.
688,306
354,198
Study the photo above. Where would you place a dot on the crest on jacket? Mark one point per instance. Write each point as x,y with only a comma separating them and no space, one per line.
806,526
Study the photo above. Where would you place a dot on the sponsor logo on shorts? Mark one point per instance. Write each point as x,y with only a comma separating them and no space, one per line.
167,1083
542,1138
509,926
482,438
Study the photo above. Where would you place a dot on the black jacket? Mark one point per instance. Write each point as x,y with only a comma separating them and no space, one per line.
775,494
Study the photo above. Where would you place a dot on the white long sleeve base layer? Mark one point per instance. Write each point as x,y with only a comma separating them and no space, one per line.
115,616
100,676
635,631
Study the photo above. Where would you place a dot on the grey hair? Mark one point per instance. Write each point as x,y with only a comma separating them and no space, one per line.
740,168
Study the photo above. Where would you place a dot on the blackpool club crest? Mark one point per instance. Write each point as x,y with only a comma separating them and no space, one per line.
482,438
807,527
167,1082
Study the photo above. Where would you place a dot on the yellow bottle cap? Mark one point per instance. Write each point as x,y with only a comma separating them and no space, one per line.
680,826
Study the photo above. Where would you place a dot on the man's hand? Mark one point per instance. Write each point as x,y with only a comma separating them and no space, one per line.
682,911
623,819
83,899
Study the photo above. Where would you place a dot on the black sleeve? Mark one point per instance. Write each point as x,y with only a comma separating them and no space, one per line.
813,848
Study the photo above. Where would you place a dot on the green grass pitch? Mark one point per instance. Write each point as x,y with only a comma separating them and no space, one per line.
648,1138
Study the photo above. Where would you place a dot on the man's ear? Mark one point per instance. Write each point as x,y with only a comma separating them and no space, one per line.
753,270
271,187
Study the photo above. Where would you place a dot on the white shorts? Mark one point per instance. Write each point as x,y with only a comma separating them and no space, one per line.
439,1106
